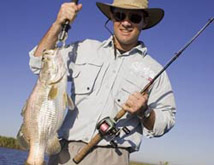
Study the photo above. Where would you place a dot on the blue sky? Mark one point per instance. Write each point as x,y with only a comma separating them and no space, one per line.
190,142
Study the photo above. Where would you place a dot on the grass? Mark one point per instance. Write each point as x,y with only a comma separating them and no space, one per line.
138,163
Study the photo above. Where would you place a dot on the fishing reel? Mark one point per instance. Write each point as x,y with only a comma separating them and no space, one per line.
107,128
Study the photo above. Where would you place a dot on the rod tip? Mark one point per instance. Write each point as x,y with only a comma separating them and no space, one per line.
211,19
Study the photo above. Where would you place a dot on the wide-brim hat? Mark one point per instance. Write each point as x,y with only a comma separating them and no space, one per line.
155,15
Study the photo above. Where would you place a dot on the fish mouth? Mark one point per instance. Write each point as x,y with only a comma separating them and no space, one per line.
53,69
52,78
57,79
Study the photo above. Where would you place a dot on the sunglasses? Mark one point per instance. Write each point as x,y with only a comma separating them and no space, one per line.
121,16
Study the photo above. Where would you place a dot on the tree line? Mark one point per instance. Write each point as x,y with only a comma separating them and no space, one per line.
9,142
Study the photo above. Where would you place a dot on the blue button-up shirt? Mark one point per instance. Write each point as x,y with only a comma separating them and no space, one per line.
101,83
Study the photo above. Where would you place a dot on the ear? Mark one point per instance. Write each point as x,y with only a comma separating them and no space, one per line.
145,18
111,17
145,21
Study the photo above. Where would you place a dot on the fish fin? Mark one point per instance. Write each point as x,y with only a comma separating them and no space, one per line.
53,93
21,135
65,101
70,103
24,108
22,140
53,146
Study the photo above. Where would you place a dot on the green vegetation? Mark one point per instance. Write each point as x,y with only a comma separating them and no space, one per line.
9,142
138,163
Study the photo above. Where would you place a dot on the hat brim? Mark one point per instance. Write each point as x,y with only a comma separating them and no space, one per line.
155,15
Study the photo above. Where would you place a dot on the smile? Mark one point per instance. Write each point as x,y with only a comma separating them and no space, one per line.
126,31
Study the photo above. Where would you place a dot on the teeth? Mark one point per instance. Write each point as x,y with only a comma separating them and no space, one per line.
125,30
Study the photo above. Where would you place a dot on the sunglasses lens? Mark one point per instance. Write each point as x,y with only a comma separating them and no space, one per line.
135,18
119,16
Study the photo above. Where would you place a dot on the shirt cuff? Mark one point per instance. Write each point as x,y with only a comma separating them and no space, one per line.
35,62
161,124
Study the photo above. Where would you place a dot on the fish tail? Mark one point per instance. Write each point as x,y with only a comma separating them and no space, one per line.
36,154
26,163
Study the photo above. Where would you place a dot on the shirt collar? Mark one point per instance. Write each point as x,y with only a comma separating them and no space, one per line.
108,42
140,48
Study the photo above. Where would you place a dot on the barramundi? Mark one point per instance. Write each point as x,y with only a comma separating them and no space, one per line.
44,111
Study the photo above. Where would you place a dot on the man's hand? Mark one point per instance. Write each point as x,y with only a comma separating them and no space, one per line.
68,11
136,103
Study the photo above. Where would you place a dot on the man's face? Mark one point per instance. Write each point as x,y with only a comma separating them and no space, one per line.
127,27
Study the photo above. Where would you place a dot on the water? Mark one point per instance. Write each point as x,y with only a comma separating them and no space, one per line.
12,156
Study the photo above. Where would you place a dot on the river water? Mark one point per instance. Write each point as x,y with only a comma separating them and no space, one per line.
12,156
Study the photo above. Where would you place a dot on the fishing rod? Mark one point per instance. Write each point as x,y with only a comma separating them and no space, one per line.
65,27
146,88
107,126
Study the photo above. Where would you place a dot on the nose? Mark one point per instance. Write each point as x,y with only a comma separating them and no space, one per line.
126,22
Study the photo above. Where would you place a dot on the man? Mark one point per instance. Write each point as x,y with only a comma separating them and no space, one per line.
107,76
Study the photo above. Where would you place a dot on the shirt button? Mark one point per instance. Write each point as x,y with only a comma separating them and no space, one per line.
88,88
118,100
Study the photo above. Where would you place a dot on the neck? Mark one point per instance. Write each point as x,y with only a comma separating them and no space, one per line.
124,47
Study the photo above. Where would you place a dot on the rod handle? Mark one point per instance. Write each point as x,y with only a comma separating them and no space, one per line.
65,27
119,115
87,148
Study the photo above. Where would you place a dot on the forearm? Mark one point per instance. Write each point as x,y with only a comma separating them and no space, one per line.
68,11
49,40
158,123
149,122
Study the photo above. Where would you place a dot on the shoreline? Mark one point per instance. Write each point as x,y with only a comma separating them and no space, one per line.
9,142
12,143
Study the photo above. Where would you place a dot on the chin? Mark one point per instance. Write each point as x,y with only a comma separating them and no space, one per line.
126,41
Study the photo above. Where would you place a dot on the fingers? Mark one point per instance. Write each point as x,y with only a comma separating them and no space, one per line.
140,96
136,103
68,11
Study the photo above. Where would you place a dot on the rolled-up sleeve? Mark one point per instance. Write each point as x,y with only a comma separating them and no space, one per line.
68,54
163,103
35,62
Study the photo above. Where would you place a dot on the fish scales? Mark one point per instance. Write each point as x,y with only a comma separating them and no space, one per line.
44,111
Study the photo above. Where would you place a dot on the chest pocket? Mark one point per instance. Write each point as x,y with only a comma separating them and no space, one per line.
84,77
130,83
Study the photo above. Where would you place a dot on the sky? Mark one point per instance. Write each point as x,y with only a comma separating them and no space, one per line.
190,142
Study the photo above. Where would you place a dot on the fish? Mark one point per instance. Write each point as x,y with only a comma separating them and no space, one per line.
44,110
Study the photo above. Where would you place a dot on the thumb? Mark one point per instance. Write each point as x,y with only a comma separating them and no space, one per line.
79,7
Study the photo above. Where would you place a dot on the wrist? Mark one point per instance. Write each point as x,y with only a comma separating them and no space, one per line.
144,114
56,27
